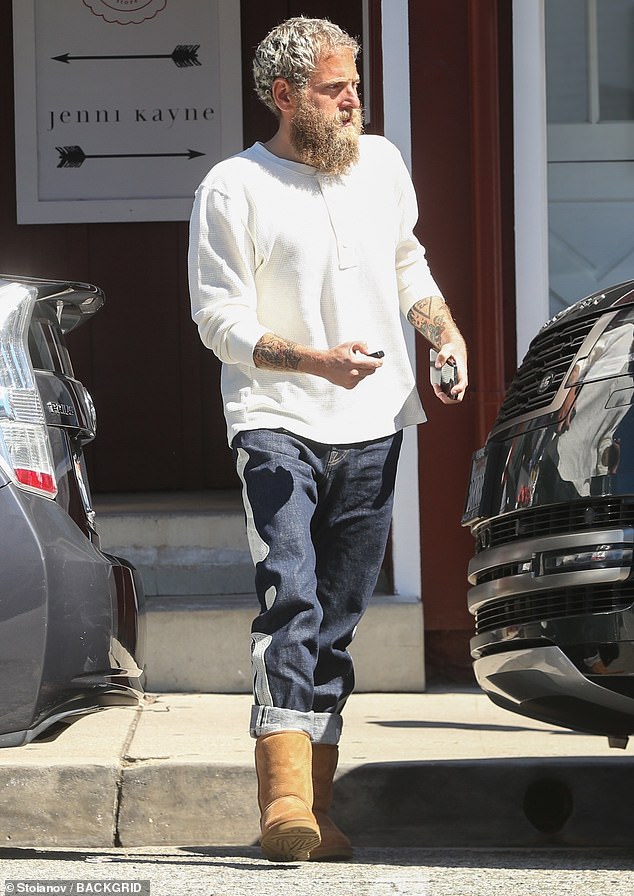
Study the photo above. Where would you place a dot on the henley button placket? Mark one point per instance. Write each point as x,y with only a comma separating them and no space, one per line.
338,202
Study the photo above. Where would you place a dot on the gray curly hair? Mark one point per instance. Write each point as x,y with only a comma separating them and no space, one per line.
292,50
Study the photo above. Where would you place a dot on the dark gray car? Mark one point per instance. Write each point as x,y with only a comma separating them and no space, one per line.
71,617
551,508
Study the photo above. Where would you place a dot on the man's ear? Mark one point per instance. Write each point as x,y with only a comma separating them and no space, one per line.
283,95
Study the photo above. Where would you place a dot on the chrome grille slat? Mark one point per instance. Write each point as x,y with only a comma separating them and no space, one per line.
552,353
555,519
554,604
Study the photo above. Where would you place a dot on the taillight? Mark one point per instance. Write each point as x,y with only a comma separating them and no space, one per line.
25,450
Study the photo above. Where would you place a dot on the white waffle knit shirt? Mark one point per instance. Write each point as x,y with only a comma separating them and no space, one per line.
277,247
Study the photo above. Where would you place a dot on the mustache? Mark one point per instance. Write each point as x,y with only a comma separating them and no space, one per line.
353,115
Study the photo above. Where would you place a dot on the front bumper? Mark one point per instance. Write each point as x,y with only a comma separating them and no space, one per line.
542,683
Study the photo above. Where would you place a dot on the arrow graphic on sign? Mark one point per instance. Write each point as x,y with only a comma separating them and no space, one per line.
74,156
184,56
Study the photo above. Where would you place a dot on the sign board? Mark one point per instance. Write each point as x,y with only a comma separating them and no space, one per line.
122,106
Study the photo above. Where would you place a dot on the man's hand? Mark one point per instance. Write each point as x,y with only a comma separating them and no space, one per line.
432,318
456,354
344,365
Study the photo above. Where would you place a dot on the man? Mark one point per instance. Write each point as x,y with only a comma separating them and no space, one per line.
302,257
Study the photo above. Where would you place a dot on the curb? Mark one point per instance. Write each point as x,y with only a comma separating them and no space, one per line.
416,771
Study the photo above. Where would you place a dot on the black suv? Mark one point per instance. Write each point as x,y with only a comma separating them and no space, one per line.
551,507
71,617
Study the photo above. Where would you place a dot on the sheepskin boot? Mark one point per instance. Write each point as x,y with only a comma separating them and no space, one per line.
334,843
285,796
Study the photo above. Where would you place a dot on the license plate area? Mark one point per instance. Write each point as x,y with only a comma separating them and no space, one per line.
476,486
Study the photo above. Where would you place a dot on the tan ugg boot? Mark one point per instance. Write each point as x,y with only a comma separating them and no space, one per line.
285,796
334,843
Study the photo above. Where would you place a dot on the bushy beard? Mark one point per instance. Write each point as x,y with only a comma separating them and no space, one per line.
324,143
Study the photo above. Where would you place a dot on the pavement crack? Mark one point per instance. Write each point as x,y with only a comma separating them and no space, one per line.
135,760
123,761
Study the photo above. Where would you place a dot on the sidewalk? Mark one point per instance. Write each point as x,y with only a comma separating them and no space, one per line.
444,768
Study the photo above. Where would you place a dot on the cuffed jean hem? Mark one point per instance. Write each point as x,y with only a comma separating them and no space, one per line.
321,727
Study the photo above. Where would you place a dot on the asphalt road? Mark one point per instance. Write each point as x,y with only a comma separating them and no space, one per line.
237,871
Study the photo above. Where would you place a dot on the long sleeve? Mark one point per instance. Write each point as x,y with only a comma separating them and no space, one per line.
414,277
221,277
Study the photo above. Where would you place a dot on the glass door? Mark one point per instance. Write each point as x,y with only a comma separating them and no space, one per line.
590,102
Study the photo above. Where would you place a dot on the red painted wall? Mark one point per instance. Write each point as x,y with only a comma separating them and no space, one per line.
462,169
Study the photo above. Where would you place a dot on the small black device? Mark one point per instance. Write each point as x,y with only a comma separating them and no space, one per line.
378,354
446,376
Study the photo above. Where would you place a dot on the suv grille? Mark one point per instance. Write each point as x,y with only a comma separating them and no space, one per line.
560,603
545,365
555,519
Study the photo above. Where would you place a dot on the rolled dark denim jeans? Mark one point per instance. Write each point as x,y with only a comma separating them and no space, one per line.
318,518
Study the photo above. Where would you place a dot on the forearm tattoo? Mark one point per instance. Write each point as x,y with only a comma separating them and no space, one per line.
274,353
420,317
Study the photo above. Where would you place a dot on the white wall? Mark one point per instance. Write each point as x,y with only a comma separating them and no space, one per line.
396,114
531,190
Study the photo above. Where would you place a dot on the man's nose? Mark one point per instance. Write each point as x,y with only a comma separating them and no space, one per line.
351,97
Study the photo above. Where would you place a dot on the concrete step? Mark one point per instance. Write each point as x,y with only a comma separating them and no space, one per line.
172,519
181,543
190,571
192,554
202,645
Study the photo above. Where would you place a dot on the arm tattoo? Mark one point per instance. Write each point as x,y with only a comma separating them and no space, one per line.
274,353
420,317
